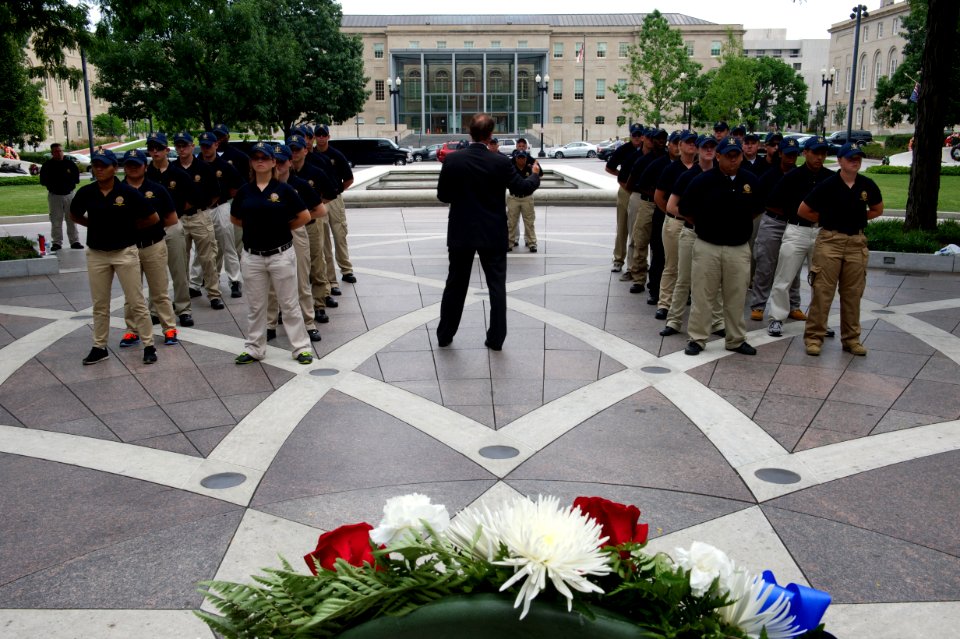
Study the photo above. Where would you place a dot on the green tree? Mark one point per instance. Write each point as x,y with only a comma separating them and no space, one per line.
729,92
53,27
22,114
840,117
779,96
108,125
656,63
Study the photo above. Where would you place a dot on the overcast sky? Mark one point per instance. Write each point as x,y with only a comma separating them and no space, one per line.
802,18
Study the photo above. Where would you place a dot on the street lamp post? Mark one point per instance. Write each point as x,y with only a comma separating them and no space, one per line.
542,84
66,129
359,122
859,12
826,81
395,97
863,108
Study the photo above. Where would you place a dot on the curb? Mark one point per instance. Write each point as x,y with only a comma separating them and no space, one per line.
914,262
49,265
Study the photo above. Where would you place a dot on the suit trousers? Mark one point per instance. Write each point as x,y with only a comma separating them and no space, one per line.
797,244
335,241
521,206
301,246
681,291
620,243
670,236
259,274
640,222
125,264
225,258
153,267
177,265
838,260
59,206
320,287
766,257
494,263
727,268
198,229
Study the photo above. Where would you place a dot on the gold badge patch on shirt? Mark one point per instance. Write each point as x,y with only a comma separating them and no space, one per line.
274,197
863,195
148,195
310,182
196,178
219,174
172,185
118,201
747,189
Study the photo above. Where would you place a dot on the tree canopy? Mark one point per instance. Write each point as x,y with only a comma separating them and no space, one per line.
21,117
53,27
260,64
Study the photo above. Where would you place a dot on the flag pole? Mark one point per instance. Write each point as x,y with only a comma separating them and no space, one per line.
583,103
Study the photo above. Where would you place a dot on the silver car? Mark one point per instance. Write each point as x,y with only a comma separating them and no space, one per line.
574,150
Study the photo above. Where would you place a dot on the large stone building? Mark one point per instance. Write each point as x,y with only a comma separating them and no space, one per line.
882,39
452,66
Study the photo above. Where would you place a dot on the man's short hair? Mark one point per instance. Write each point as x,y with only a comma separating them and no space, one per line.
524,140
481,127
55,145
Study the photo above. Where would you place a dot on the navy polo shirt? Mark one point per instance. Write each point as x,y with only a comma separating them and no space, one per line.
340,167
647,183
622,159
203,183
238,160
757,167
59,176
228,178
843,208
795,185
525,173
111,218
680,186
317,178
266,214
162,203
670,175
769,181
722,207
176,181
311,199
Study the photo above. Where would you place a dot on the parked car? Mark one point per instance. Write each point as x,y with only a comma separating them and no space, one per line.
449,147
371,151
80,159
839,138
606,149
424,153
507,145
574,150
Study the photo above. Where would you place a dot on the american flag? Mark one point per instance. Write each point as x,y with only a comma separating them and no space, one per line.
915,96
580,53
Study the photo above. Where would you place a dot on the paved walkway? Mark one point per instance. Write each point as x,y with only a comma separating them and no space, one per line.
106,526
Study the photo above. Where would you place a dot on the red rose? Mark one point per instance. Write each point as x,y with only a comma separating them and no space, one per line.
350,543
619,522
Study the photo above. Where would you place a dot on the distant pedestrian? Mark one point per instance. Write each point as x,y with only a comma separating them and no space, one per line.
61,177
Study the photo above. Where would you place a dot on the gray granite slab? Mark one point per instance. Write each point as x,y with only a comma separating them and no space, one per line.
555,339
940,369
805,381
787,435
277,376
49,407
832,356
798,411
415,340
407,366
862,566
370,368
930,397
428,388
898,420
816,437
18,326
226,378
571,364
174,443
556,388
462,363
868,388
112,394
738,373
240,405
466,392
32,377
517,391
7,419
506,413
207,439
200,413
167,387
897,342
855,419
139,423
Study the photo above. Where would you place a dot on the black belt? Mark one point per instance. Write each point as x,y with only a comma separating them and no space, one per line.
143,245
806,223
646,198
669,214
275,251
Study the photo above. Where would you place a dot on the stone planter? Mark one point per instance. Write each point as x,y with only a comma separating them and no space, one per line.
915,262
48,265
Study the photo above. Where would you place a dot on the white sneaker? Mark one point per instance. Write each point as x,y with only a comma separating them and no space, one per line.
775,329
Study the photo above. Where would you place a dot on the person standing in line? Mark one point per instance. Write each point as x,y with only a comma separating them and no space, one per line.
60,176
640,213
197,220
672,225
522,147
335,243
619,166
178,184
152,250
269,211
799,237
518,205
751,159
647,186
842,204
721,130
738,133
772,145
238,160
722,203
766,247
228,180
473,182
113,212
494,145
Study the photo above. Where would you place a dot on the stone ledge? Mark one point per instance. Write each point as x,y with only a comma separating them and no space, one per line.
914,262
48,265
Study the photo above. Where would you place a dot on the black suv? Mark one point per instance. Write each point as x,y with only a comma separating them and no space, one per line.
371,151
840,137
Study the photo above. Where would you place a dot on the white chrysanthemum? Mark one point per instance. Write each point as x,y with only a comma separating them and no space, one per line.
404,515
476,522
749,593
544,540
705,563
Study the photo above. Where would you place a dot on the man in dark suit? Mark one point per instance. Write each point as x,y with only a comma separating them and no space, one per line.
474,182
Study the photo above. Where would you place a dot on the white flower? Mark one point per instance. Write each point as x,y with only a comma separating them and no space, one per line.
705,564
476,522
544,540
749,594
404,515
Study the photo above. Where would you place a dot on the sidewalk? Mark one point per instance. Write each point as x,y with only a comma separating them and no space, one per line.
107,525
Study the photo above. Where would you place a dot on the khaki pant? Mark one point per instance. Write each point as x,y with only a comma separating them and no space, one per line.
517,207
620,244
125,264
301,246
766,256
337,225
198,229
640,220
320,287
177,265
838,260
681,289
727,268
671,243
225,257
153,267
797,244
259,274
59,206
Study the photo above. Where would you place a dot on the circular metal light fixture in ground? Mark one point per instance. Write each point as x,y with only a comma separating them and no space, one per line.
324,372
883,312
223,480
82,317
777,475
499,452
658,370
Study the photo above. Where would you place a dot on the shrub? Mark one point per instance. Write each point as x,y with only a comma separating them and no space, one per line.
20,180
897,143
16,247
874,150
888,235
945,169
30,156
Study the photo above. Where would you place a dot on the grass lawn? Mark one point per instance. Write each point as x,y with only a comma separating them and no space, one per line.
23,200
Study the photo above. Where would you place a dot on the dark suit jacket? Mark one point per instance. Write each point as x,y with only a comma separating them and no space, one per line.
474,182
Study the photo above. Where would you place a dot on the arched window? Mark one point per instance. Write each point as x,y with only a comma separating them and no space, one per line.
441,81
414,84
496,81
892,63
469,82
523,85
863,72
877,69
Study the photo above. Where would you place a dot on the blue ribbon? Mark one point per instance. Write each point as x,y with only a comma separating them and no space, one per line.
807,605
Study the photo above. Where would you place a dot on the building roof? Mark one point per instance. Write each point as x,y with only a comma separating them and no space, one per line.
551,19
